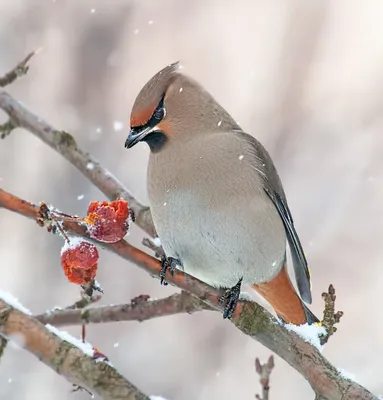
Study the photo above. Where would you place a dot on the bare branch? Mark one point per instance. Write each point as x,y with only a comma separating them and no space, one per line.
20,70
264,372
141,311
64,143
65,358
252,319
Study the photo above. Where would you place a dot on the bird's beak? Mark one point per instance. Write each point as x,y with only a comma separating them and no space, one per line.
136,135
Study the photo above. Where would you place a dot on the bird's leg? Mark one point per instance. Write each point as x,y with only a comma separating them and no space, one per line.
230,299
168,263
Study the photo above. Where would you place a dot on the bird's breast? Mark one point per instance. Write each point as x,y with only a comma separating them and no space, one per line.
216,217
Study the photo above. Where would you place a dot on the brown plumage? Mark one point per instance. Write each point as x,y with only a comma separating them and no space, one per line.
217,202
280,293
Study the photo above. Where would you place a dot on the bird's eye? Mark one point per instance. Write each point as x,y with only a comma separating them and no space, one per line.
159,114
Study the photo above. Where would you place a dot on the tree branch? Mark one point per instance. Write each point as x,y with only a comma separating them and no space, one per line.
65,358
252,319
64,143
135,311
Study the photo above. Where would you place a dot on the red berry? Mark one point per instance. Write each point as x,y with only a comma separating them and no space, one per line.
108,222
79,261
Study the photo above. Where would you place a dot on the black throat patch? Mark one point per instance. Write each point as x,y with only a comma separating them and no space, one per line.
156,140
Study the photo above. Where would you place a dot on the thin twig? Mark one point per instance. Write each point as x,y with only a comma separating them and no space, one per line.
135,311
85,301
252,319
264,372
18,71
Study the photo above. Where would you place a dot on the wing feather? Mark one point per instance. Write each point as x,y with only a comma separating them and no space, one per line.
274,189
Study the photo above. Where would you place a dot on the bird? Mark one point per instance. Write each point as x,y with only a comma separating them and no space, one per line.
217,202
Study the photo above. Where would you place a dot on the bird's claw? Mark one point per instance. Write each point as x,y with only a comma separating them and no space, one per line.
168,263
230,299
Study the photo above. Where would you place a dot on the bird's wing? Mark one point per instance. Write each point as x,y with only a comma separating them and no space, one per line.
273,188
302,273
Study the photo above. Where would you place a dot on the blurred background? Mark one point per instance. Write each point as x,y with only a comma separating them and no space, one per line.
305,78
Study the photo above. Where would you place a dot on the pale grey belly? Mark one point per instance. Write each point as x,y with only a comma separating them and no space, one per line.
220,245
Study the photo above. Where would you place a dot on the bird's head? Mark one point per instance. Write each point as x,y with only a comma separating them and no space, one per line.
173,107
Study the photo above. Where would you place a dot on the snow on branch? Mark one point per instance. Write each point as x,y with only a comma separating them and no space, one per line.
66,355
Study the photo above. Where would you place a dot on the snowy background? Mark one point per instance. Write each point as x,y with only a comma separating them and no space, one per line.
306,78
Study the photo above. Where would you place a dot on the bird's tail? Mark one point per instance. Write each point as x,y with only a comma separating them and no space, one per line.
281,295
310,317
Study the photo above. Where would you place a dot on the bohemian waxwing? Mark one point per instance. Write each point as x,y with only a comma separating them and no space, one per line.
217,202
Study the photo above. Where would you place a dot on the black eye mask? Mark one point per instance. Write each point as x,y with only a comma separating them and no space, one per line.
157,116
146,133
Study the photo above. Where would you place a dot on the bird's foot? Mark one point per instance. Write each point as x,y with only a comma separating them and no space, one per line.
230,300
168,263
